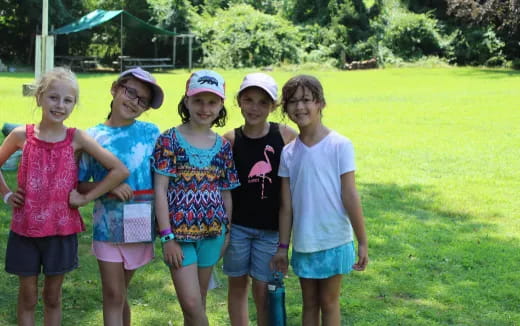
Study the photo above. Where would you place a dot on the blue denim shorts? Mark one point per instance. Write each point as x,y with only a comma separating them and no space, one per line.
324,264
249,253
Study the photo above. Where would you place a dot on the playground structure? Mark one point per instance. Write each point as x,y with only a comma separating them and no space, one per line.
44,54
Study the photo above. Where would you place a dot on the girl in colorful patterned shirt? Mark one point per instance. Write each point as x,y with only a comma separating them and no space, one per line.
46,219
194,173
122,241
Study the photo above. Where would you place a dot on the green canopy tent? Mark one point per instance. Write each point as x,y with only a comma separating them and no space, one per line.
100,16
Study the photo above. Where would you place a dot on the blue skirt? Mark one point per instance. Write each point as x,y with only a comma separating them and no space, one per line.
324,264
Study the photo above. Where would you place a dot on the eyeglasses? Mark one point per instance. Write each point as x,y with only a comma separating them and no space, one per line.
294,101
131,93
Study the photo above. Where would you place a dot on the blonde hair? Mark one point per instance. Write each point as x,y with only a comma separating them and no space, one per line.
58,73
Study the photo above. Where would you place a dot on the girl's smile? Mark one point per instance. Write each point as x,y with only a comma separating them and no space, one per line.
57,101
303,109
130,101
203,107
255,105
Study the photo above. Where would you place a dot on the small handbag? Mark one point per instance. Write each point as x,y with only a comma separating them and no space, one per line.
138,218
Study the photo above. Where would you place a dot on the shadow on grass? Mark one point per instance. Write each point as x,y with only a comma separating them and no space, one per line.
488,73
430,265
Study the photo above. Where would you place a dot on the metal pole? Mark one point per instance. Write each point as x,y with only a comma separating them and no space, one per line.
189,49
45,18
40,61
121,38
174,46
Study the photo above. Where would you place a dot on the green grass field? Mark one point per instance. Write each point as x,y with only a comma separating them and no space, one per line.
437,154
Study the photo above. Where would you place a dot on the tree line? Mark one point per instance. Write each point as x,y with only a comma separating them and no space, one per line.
247,33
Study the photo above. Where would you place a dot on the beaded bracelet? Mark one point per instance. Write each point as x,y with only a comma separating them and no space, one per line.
283,245
165,232
7,196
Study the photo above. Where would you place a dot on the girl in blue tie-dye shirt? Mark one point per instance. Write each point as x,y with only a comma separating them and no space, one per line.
123,220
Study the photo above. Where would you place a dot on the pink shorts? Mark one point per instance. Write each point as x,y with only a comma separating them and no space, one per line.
132,255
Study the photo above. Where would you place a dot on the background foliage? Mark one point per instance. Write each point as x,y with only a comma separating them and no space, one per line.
247,33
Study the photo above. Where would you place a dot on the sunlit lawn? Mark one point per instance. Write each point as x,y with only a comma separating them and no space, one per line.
438,169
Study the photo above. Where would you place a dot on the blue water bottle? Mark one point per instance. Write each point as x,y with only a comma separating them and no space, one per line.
276,300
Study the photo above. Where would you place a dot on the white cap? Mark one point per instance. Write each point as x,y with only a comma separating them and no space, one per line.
264,81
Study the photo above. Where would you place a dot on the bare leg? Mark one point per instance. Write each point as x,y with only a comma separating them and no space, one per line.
204,274
115,280
237,300
52,300
329,290
186,282
311,307
127,315
260,296
27,300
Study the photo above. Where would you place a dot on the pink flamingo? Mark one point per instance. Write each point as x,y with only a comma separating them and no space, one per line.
261,168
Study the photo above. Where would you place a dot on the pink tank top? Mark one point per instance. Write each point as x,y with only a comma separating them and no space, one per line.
47,172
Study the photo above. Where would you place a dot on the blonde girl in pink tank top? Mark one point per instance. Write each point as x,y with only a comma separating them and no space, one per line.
45,203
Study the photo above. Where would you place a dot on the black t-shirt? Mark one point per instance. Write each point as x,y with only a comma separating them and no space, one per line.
257,201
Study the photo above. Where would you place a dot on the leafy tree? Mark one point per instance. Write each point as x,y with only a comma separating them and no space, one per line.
411,36
352,14
21,21
244,37
502,15
310,12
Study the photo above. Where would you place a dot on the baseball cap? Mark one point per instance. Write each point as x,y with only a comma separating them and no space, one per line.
206,81
264,81
145,76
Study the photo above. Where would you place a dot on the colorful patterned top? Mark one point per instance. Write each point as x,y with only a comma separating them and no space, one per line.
48,173
133,145
196,178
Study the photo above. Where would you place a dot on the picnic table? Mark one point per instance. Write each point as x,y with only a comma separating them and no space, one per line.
77,62
145,63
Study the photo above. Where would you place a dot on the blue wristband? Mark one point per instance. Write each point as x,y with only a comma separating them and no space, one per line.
168,237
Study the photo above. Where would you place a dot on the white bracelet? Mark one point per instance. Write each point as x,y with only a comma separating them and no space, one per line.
7,196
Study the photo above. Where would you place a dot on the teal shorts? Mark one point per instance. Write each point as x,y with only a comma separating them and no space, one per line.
205,252
324,264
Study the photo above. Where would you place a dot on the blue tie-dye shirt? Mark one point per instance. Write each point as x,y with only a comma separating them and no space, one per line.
133,145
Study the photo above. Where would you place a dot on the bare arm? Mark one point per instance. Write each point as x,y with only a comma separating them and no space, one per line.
352,204
123,191
230,136
117,170
11,144
228,204
288,133
172,252
280,260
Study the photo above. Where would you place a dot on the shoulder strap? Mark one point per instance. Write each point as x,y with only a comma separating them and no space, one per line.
274,127
29,131
70,134
239,136
274,130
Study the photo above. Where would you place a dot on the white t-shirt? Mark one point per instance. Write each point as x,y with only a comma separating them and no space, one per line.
320,220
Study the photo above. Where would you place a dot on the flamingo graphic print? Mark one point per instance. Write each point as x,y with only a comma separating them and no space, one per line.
261,168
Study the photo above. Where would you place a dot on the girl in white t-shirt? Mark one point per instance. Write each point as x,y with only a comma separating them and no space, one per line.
320,205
